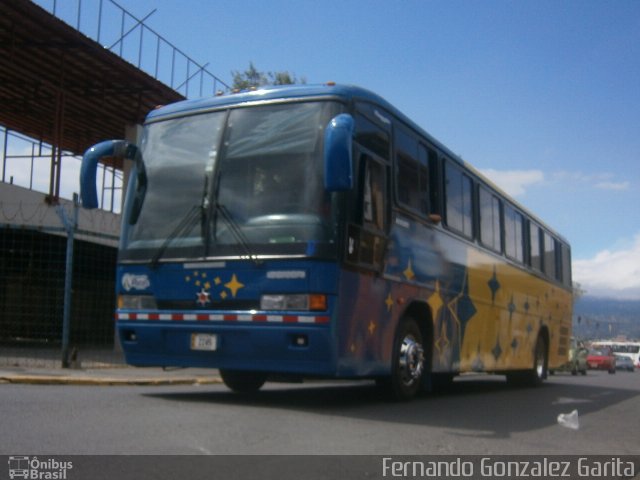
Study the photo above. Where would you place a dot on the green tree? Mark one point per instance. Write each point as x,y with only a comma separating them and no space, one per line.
254,78
249,78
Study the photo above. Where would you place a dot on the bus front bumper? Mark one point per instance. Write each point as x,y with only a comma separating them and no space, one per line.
299,348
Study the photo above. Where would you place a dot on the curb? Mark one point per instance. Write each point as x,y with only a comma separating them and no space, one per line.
107,381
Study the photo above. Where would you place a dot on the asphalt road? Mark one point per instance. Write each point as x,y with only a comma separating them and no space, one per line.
478,415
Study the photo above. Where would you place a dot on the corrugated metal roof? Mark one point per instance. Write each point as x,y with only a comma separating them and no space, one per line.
59,86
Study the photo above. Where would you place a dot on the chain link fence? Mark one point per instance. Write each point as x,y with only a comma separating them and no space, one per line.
33,263
34,260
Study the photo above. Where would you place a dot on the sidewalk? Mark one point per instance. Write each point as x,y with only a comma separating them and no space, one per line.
109,376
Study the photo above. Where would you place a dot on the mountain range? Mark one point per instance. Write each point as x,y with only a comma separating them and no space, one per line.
603,318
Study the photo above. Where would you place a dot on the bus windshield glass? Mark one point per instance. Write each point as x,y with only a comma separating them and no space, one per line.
234,182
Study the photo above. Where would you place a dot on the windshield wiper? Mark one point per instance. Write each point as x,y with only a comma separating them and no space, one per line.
237,232
195,214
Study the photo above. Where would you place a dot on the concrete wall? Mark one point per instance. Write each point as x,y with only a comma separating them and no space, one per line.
21,207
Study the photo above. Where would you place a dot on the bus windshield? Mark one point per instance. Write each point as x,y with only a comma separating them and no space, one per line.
234,182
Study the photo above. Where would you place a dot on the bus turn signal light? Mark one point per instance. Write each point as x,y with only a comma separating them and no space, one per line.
318,302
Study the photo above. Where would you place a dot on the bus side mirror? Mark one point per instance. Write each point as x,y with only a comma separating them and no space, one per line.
338,156
89,168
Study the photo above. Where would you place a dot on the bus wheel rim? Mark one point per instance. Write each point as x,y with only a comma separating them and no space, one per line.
540,360
411,360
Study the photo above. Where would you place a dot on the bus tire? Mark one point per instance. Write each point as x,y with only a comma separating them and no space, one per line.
535,376
409,363
540,369
241,381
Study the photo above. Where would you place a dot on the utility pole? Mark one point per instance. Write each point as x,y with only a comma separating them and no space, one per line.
70,226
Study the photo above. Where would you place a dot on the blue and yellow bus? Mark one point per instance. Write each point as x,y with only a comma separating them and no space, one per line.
316,231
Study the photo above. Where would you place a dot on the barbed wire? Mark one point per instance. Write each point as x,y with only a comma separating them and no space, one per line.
40,216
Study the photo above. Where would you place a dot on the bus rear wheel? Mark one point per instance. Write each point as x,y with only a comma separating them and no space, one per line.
241,381
409,362
535,376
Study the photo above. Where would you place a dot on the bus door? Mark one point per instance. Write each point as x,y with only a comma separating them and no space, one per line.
368,229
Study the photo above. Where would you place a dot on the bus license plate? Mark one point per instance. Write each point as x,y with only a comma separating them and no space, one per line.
204,341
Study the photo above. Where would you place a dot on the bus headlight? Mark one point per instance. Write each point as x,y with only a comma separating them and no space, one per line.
137,302
304,302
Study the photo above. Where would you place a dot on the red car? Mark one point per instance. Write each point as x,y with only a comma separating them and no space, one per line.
601,359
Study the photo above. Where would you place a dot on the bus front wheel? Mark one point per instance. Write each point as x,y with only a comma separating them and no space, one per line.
243,381
408,360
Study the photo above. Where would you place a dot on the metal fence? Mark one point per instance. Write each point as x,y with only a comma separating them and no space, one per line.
128,36
47,279
26,162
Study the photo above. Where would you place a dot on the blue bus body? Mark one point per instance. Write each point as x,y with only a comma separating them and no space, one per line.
249,338
399,278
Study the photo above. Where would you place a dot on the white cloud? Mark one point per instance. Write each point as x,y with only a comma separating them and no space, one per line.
70,178
613,185
514,182
599,180
611,273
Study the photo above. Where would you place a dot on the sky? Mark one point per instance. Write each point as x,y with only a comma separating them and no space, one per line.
541,96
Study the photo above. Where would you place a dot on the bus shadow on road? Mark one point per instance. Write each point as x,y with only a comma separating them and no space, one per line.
486,405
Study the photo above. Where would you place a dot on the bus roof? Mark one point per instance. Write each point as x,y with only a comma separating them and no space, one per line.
346,93
269,93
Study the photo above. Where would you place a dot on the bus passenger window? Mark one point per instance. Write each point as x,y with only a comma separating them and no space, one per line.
513,224
549,256
490,232
372,137
536,259
566,265
373,195
412,178
459,206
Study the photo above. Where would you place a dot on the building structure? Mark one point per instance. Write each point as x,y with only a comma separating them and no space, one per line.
62,91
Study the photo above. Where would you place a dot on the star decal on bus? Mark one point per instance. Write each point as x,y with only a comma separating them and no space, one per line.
462,307
442,343
408,272
497,349
371,327
211,287
494,285
435,300
511,307
477,365
234,285
389,302
203,297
